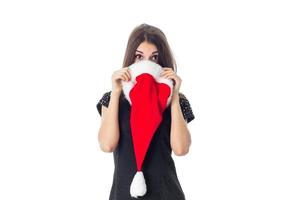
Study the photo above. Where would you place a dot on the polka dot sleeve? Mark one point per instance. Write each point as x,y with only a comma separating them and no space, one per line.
186,108
103,101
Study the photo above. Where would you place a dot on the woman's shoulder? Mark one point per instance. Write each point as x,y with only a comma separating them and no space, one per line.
183,98
186,107
104,100
182,95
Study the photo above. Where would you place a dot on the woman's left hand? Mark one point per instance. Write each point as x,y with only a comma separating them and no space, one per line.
170,74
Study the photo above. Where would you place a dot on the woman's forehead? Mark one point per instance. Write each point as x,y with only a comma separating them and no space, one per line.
147,47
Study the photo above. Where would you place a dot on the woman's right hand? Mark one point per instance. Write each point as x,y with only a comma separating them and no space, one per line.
118,76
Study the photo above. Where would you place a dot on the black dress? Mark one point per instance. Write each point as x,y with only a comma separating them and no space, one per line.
158,167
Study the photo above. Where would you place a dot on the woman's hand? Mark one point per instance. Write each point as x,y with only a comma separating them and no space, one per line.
170,74
118,76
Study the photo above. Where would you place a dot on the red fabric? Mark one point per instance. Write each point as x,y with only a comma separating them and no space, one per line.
148,102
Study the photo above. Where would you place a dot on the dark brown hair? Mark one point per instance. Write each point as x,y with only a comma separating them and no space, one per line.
153,35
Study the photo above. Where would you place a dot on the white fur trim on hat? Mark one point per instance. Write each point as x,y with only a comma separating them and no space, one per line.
145,66
138,186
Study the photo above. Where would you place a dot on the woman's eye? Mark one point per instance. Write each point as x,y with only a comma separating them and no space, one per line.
138,56
155,57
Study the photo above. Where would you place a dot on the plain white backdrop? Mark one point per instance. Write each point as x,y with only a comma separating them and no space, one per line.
239,64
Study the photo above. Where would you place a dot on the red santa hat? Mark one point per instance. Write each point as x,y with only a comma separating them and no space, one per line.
149,95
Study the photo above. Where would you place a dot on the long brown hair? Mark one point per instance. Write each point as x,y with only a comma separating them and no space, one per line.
153,35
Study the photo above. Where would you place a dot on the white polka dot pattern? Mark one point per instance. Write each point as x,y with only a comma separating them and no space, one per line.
186,108
103,101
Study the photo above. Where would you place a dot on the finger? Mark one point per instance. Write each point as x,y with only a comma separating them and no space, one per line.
162,73
123,77
128,75
165,72
171,76
124,70
122,74
168,73
167,69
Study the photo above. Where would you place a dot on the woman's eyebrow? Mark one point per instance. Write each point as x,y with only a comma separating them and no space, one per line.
143,53
140,51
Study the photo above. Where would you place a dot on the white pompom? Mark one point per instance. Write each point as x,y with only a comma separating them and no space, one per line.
138,186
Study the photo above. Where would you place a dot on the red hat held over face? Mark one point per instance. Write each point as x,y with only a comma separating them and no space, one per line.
149,95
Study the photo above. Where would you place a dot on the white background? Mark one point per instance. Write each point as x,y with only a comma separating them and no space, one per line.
239,64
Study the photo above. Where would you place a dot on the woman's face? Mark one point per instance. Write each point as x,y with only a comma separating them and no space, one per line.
146,51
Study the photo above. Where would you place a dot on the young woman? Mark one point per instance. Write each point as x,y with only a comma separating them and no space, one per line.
145,42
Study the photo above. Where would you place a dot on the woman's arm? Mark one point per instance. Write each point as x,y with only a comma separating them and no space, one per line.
180,135
108,135
109,132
